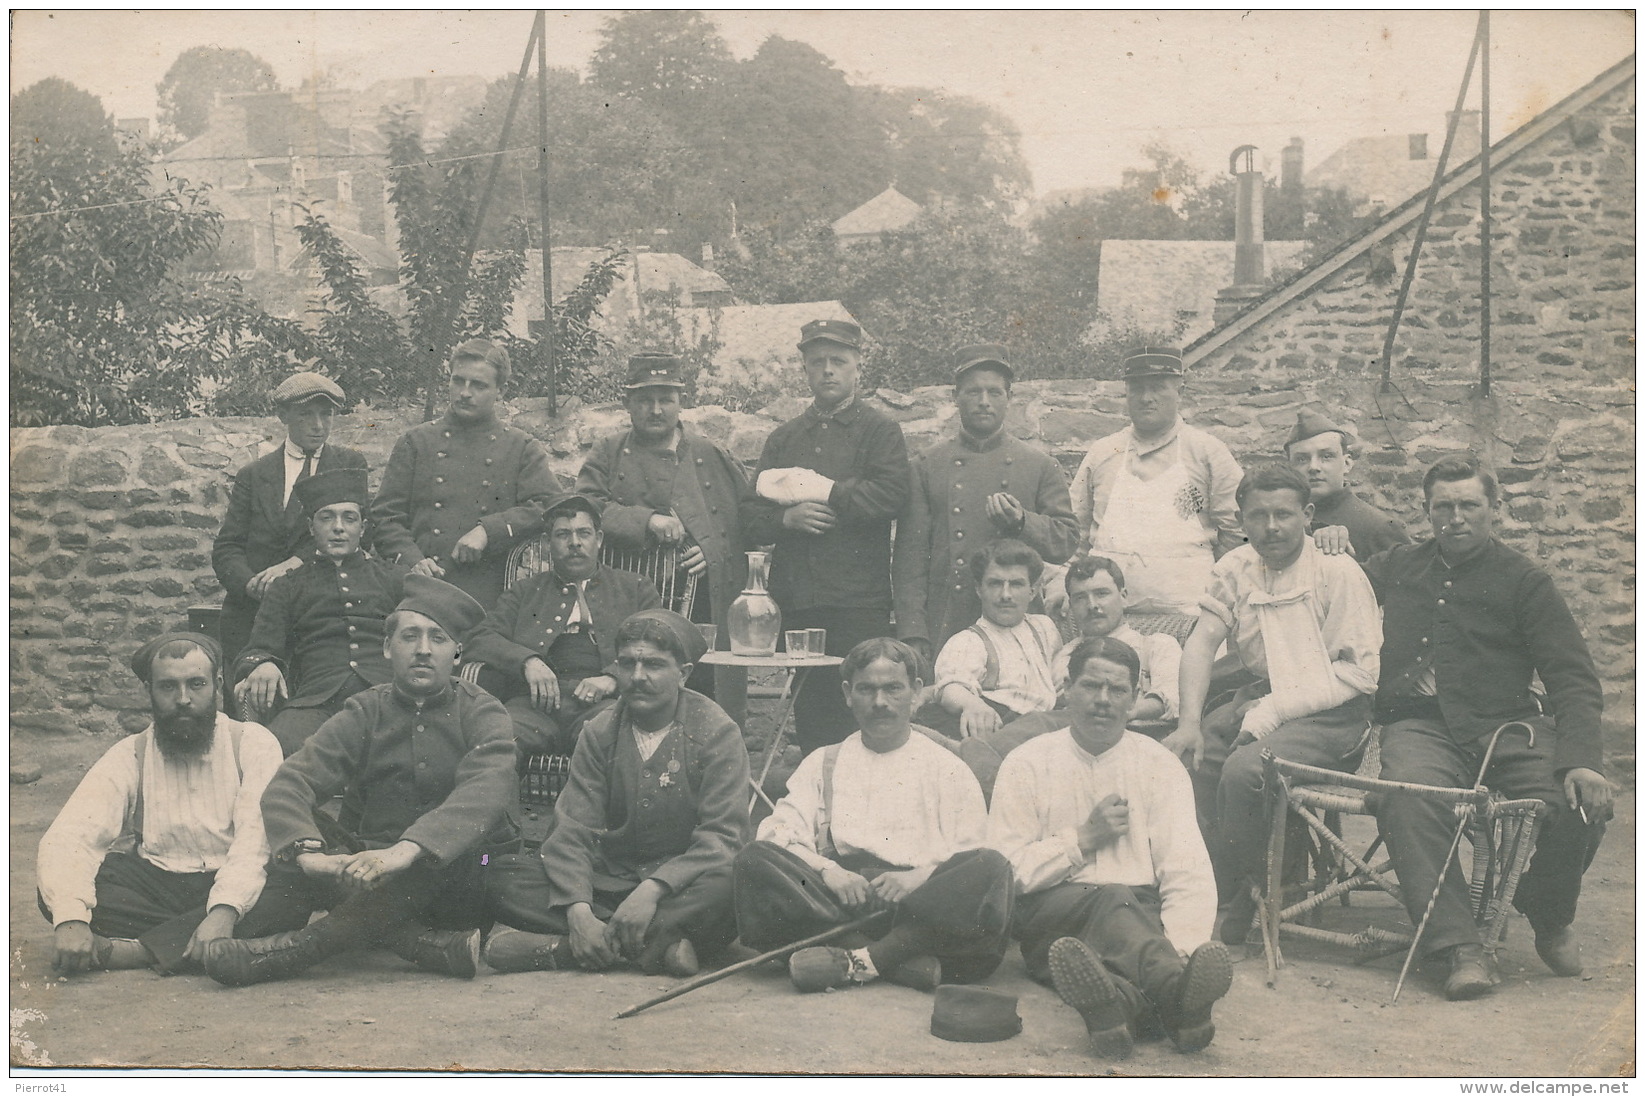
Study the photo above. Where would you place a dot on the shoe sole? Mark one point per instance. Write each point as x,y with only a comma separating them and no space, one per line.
680,960
227,965
1209,976
1467,992
1082,982
467,964
803,981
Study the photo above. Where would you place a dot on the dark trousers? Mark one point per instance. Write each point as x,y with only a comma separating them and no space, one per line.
162,909
963,909
1121,924
1422,751
539,732
820,714
293,726
1228,788
700,913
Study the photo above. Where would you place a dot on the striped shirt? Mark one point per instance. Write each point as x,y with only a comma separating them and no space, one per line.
200,815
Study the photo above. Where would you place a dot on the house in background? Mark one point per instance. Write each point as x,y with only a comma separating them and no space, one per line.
1170,286
1383,171
888,211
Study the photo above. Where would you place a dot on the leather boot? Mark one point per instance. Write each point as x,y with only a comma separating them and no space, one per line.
442,951
240,963
510,949
1080,979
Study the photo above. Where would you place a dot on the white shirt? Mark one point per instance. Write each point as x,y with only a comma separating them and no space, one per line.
201,815
1047,788
649,741
1024,652
914,807
294,466
1159,654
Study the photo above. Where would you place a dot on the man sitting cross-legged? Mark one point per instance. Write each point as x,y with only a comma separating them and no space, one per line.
1096,602
160,849
638,865
1117,894
425,765
885,821
1000,667
549,642
1308,630
318,637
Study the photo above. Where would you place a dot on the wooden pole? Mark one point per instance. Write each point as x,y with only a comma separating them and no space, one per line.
1485,203
551,385
744,965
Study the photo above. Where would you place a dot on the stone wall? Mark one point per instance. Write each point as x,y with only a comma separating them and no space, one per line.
112,528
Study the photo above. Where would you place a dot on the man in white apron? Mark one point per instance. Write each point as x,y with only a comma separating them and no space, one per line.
1158,497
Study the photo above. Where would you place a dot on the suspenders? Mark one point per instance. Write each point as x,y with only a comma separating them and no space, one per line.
142,753
991,673
825,837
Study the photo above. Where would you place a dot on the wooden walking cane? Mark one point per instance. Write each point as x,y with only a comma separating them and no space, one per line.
743,965
1456,840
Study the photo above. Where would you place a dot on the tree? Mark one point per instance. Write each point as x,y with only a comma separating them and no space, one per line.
948,146
195,79
96,241
661,58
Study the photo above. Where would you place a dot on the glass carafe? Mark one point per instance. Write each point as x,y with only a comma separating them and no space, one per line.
755,621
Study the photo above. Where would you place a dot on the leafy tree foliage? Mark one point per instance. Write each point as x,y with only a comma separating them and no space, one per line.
660,58
197,76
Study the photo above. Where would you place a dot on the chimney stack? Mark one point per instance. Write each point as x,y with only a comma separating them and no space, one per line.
708,257
1290,167
1249,276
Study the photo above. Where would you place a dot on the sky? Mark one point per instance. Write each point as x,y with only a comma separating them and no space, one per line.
1086,89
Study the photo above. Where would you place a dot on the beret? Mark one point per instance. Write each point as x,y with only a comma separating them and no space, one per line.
689,635
448,606
142,660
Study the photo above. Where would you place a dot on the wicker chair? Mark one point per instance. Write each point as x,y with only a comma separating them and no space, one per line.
1310,863
542,776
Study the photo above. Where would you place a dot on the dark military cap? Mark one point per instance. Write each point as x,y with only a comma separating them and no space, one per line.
654,369
570,503
305,386
688,636
333,486
843,332
448,606
1310,423
142,660
1151,362
982,354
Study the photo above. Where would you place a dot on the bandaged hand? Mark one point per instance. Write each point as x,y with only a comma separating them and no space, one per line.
793,485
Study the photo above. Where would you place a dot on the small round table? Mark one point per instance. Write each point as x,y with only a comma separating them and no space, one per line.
796,667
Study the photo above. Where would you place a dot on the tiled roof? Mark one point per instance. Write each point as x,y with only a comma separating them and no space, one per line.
1403,216
1156,285
887,211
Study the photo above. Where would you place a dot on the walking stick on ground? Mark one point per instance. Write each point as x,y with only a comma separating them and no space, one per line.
1456,840
743,965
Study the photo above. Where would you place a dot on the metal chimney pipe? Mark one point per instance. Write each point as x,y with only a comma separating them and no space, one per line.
1248,263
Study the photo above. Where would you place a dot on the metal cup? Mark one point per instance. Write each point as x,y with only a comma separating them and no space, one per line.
817,643
797,641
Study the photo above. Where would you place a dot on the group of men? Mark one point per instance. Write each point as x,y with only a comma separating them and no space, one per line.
969,776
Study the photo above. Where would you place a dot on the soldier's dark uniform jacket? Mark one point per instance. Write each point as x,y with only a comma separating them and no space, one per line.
443,479
532,615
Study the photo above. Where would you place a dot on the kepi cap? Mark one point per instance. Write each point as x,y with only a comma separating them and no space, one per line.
654,369
333,486
982,354
305,386
689,636
1310,423
834,331
974,1015
1148,361
558,507
142,660
448,606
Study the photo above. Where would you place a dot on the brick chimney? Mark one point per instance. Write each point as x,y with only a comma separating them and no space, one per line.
1290,167
1249,275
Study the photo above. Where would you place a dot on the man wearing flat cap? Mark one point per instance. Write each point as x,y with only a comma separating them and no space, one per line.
160,849
265,533
828,486
459,493
425,766
1158,497
318,638
978,486
549,645
638,865
662,483
1322,452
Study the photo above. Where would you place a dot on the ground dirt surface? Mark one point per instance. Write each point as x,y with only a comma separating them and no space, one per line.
373,1011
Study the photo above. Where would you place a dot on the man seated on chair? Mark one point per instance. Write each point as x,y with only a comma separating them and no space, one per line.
1467,622
1118,897
160,849
318,638
549,643
1307,629
425,766
1096,602
1323,452
638,865
1000,667
886,822
661,483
